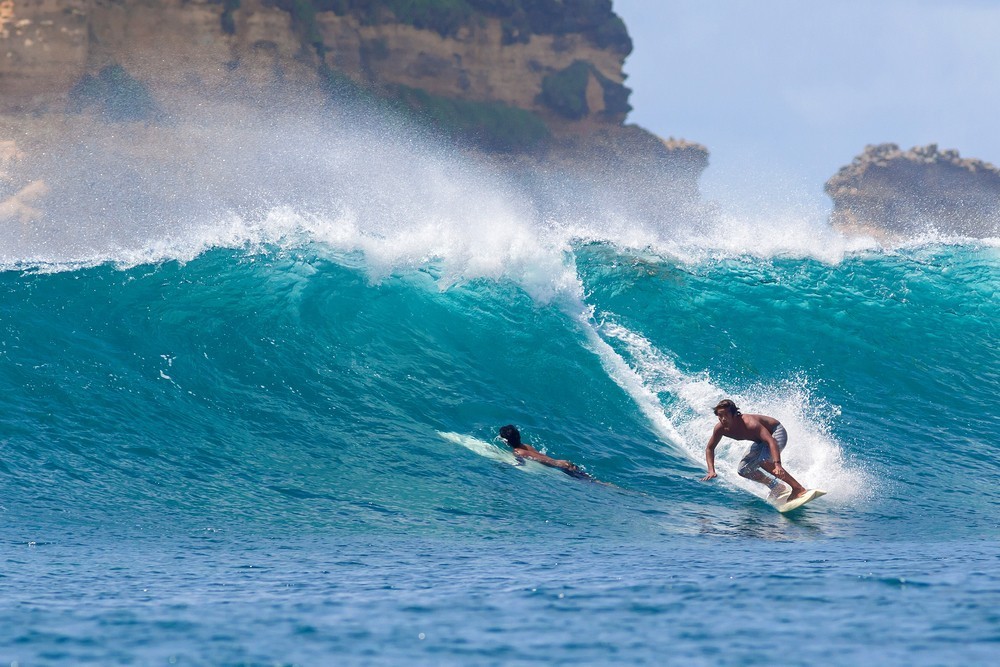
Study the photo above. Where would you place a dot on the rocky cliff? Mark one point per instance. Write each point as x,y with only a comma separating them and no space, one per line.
562,73
886,190
533,84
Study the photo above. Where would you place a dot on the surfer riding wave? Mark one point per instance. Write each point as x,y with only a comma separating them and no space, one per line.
769,439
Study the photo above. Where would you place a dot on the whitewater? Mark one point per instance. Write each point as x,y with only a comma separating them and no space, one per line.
239,362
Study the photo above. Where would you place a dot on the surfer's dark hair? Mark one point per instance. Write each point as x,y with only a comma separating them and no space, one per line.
728,406
511,435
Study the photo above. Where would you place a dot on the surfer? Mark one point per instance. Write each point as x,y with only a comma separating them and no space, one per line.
512,437
769,438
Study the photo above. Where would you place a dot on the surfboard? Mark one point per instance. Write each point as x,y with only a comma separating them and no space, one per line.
496,452
778,499
811,494
491,451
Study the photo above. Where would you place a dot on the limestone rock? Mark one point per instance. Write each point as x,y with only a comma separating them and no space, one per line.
887,190
551,85
192,46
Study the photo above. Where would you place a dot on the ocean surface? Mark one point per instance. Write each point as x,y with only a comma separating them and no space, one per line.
235,434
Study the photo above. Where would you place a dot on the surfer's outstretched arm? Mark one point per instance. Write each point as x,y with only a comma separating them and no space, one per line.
713,442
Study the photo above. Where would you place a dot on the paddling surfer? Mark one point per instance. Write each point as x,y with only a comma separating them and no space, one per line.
769,438
512,437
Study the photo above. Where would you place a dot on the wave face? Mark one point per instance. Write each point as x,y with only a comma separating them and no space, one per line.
289,386
274,320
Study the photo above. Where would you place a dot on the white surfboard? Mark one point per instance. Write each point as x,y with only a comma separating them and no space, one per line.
491,451
811,494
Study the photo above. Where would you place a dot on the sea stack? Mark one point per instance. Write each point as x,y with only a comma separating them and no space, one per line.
891,192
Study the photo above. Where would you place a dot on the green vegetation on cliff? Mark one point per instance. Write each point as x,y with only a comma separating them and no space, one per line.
595,19
489,125
492,126
565,92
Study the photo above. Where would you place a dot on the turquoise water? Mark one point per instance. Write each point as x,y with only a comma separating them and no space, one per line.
226,446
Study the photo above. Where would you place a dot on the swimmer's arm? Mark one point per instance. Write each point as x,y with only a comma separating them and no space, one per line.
535,455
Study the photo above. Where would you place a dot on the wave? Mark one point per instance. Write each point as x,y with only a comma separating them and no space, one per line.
273,322
289,386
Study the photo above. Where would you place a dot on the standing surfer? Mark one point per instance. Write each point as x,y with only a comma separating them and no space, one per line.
769,438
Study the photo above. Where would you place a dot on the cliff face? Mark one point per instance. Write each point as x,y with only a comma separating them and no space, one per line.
534,85
891,191
184,46
474,64
169,45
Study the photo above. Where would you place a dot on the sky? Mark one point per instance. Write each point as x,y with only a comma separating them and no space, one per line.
785,92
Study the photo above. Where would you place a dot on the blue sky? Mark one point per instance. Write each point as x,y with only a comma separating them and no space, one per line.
785,92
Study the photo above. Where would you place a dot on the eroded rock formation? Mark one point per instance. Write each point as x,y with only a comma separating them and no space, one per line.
183,46
886,190
535,84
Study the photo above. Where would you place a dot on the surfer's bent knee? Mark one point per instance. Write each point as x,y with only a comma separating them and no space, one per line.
747,469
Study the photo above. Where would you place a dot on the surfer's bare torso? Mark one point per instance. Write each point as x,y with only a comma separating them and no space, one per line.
747,427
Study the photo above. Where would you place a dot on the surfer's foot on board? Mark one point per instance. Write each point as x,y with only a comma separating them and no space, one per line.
780,492
793,495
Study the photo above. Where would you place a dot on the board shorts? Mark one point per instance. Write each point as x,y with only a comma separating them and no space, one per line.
760,452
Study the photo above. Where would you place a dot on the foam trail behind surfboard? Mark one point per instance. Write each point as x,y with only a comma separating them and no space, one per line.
626,378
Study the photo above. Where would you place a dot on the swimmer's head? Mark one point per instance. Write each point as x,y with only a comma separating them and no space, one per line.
510,435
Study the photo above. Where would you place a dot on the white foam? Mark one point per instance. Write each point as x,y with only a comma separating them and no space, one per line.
133,194
679,406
